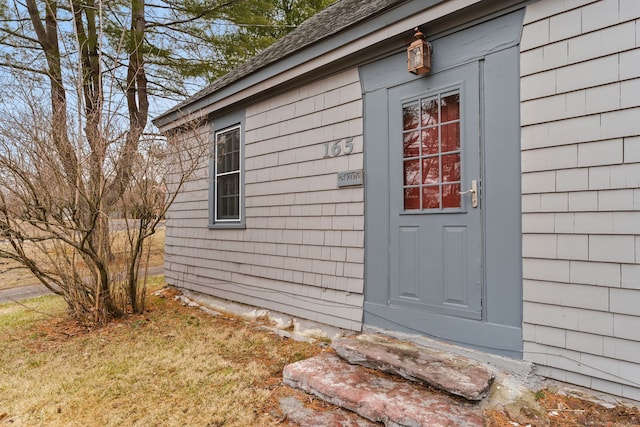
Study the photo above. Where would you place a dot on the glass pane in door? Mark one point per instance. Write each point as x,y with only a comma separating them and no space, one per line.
432,152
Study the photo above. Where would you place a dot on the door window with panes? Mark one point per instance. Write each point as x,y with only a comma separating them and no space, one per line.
431,152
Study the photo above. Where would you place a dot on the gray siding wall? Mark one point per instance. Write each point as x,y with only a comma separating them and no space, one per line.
302,252
580,116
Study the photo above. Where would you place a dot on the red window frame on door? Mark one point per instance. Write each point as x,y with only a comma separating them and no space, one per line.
432,152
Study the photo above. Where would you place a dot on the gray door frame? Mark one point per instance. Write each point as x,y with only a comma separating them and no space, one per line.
493,45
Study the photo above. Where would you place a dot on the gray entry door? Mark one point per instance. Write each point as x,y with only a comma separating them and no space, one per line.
434,263
435,202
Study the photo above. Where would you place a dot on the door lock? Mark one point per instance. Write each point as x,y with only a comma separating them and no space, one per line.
474,193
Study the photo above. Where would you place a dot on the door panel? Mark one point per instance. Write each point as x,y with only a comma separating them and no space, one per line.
435,232
455,271
409,263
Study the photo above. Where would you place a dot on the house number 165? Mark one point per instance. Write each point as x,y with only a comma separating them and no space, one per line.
333,149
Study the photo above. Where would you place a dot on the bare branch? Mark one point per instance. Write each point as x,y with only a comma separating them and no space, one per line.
23,68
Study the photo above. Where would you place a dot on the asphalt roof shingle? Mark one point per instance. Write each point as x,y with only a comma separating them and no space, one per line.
333,19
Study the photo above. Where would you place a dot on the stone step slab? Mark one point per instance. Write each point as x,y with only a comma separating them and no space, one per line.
379,398
452,373
297,413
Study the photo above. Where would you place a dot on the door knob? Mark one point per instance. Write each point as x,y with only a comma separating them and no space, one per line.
474,193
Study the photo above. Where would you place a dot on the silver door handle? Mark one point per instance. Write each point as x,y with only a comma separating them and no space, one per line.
474,193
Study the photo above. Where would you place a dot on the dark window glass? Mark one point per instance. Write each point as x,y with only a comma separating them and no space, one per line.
227,175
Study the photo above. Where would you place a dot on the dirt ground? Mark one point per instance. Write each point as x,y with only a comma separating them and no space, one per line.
567,411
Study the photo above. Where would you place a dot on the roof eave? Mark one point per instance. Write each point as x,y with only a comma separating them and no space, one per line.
396,20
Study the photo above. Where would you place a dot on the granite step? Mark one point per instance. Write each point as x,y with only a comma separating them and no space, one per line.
379,398
446,371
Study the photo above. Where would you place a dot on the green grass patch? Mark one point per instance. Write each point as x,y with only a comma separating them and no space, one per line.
14,315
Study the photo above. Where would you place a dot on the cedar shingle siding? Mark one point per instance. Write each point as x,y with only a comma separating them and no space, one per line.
580,93
302,251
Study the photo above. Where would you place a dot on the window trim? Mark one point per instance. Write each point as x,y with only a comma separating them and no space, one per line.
456,86
217,175
220,126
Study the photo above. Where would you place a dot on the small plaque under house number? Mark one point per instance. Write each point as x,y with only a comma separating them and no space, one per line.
350,178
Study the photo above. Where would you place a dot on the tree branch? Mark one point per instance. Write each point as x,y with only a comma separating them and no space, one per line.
23,68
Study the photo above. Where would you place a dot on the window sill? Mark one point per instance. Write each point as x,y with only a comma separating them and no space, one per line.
233,226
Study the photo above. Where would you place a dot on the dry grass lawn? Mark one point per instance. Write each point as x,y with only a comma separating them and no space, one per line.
172,366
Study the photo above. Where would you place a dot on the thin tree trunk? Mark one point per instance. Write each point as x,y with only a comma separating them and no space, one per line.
47,35
137,103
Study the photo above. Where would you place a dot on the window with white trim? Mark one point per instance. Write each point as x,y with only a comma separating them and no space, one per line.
227,175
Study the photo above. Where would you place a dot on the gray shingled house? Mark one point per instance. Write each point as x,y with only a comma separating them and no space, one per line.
493,202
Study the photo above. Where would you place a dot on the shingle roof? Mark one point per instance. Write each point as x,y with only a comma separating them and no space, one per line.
333,19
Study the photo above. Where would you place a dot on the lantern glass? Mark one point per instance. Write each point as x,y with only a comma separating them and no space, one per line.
416,57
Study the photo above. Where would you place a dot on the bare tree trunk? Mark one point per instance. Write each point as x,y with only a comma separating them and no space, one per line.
92,92
137,103
138,106
48,39
88,210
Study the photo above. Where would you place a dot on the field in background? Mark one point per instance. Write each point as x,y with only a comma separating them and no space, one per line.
12,277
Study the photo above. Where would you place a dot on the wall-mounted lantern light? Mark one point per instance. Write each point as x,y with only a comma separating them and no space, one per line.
419,54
